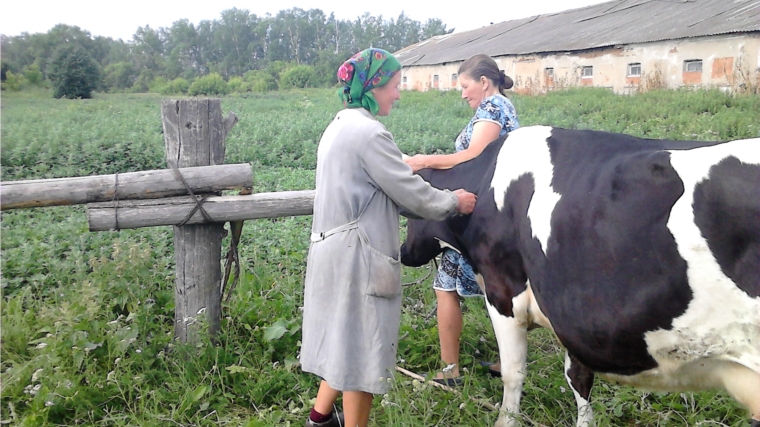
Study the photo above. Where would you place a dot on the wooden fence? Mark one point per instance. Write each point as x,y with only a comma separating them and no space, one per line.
186,196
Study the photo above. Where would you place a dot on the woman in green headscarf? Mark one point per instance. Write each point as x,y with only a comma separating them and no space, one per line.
365,71
352,291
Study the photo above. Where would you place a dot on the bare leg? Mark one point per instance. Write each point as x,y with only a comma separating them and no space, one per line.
356,407
326,397
449,328
744,385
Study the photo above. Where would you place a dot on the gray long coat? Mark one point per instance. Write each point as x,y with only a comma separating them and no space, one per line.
352,295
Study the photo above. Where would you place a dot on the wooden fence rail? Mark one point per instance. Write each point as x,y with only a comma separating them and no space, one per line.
131,185
172,211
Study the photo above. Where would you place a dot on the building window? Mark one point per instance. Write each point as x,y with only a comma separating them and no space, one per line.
435,79
454,78
403,80
549,73
692,66
634,69
587,72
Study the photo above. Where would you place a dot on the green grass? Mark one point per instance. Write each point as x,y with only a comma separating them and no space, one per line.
87,318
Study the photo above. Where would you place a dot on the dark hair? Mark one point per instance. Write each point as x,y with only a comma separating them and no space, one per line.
484,65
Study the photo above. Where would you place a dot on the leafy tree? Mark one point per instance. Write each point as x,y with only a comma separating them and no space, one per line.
231,45
276,68
33,75
144,81
184,57
234,36
148,48
434,27
402,33
72,72
178,86
297,77
13,82
211,84
260,81
326,67
120,76
237,84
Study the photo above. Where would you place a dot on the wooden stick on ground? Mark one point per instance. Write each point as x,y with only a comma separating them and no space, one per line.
444,387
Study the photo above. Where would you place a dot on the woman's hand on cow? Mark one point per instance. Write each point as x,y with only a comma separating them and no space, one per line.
417,162
466,201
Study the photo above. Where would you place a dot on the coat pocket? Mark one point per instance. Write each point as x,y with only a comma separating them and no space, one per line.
384,274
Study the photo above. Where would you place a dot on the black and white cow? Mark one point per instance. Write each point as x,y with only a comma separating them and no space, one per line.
642,256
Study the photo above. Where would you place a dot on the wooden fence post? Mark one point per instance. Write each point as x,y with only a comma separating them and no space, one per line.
194,134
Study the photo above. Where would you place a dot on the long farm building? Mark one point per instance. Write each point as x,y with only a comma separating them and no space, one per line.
623,45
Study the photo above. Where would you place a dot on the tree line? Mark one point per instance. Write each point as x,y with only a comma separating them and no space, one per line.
240,51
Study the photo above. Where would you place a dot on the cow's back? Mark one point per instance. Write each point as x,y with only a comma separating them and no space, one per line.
613,250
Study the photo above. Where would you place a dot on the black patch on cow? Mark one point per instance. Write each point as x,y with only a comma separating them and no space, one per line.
494,249
727,212
612,270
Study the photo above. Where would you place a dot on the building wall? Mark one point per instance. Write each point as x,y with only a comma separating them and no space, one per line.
726,61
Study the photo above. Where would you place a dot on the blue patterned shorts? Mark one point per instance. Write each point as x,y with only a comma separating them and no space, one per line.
455,273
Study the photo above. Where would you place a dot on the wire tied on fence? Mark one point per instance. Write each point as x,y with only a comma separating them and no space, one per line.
115,201
199,200
236,228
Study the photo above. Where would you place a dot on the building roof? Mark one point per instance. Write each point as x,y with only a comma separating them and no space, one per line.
617,22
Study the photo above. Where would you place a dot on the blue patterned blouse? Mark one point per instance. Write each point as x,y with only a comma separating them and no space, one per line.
495,108
455,273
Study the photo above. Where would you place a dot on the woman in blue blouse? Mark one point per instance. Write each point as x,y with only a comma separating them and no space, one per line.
483,86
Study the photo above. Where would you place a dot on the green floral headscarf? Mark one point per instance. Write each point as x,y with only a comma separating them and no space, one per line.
367,69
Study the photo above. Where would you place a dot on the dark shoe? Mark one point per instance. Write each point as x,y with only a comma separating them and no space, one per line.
335,421
493,372
451,382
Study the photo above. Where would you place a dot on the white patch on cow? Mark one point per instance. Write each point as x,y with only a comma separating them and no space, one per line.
585,411
446,245
720,330
526,151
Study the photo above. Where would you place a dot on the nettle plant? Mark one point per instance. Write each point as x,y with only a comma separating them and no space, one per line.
81,351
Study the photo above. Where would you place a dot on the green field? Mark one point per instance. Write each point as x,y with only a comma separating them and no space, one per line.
87,318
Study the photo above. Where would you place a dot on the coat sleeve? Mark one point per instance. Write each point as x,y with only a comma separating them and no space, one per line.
381,159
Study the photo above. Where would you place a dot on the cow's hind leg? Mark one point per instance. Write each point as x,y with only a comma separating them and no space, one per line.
580,379
512,338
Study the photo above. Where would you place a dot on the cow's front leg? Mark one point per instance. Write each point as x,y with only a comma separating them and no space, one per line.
580,379
512,338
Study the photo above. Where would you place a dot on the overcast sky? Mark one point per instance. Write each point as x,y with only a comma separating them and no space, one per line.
120,19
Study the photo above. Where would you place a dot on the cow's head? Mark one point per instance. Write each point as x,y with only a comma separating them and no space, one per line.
426,239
